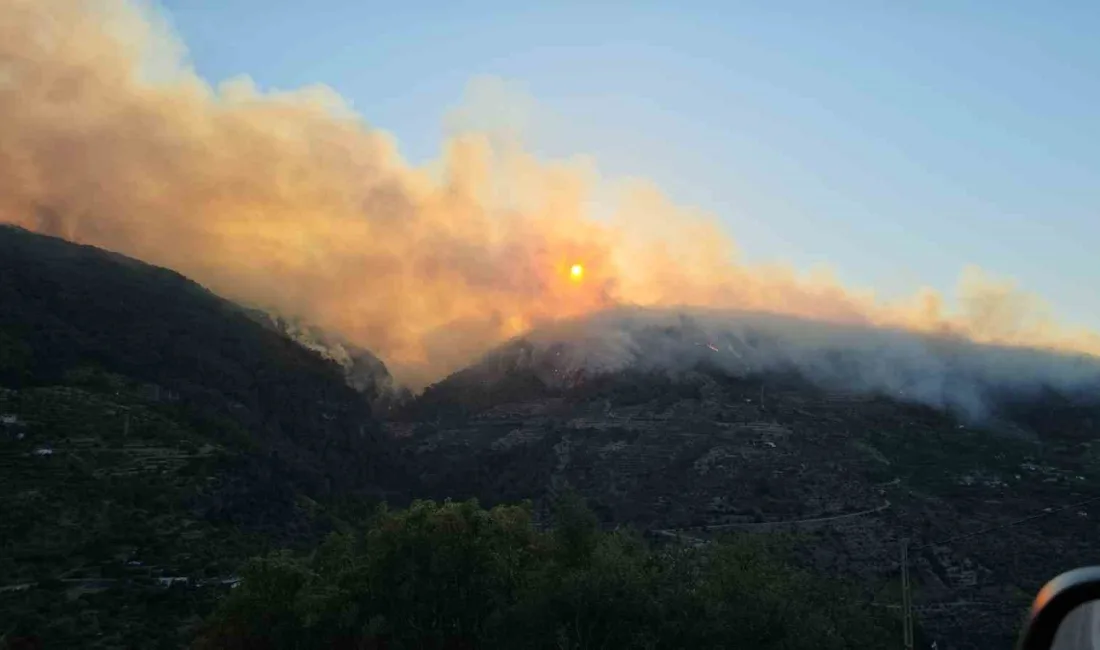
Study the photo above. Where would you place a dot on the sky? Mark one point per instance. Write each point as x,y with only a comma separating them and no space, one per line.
895,143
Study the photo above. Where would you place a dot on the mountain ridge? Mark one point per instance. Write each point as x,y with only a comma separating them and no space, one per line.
978,383
147,421
91,307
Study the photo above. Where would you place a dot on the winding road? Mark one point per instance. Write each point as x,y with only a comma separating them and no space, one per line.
767,525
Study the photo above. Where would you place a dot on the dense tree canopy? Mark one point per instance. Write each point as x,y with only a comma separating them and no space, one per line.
455,575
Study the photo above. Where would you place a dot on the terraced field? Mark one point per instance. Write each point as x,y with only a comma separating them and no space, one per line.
103,499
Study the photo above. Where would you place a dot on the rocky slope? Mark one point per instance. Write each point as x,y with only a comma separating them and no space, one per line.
989,509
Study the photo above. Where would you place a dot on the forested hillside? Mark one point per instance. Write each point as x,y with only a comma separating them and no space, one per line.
151,431
159,445
69,307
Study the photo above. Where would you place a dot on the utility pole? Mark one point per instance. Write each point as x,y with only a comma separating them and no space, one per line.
906,598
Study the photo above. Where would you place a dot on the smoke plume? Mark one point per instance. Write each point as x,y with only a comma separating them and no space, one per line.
291,202
974,381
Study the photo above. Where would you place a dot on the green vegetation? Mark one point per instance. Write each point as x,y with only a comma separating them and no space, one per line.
959,462
204,359
151,430
90,480
154,437
455,575
124,496
134,615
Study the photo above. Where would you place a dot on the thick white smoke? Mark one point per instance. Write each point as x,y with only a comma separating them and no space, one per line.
950,373
290,202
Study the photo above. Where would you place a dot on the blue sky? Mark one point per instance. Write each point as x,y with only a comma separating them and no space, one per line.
894,142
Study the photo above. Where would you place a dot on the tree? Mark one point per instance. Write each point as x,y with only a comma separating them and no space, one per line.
576,527
455,575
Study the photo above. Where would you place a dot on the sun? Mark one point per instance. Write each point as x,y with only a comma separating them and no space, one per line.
576,272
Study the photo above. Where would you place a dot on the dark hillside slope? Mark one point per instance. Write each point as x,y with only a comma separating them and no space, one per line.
67,307
154,434
362,370
691,450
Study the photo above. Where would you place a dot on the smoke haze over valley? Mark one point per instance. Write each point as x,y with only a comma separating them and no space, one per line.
272,376
290,202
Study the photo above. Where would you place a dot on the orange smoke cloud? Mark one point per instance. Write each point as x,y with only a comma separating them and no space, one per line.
289,201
